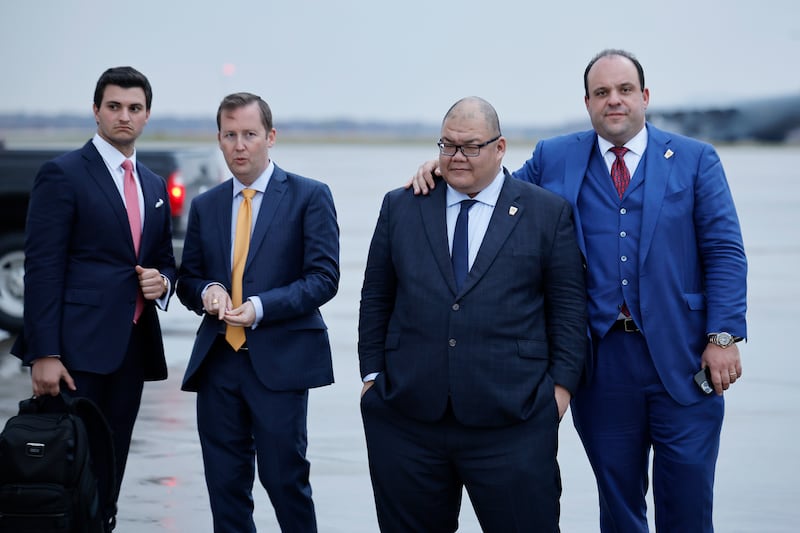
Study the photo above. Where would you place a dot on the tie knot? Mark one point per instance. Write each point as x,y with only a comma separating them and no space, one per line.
619,151
248,193
127,165
466,205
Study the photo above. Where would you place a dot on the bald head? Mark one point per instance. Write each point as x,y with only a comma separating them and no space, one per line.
474,108
471,147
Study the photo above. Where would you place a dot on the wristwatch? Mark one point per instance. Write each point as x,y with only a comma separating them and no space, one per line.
722,339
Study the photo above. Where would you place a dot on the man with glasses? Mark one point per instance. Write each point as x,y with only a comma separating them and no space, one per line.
472,337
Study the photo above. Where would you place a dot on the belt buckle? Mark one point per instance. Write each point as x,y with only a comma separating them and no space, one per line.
629,326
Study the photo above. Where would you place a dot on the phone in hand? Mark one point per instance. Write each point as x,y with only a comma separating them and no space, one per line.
703,380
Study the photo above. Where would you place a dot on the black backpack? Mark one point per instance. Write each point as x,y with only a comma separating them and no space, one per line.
57,470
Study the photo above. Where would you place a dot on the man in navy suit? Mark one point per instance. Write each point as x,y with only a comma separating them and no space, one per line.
666,282
252,398
466,381
83,275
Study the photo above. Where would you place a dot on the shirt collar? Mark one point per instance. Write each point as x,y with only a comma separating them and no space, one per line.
111,155
259,185
488,195
636,145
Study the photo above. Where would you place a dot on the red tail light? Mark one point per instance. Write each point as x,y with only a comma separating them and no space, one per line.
177,193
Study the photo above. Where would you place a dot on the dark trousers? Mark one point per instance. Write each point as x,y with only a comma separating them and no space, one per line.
118,395
239,420
419,469
621,415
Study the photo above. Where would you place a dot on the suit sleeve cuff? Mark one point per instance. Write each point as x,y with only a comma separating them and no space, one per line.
259,309
162,301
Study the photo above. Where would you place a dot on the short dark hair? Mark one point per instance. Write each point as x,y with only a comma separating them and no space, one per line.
237,100
613,52
125,77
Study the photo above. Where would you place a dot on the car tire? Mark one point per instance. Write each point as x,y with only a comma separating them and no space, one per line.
12,281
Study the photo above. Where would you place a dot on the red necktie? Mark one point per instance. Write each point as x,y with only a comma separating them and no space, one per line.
135,221
621,177
619,170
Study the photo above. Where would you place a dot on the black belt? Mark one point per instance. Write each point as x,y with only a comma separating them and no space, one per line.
625,324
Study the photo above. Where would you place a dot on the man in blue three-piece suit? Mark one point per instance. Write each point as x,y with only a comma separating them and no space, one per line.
472,338
98,259
261,256
666,284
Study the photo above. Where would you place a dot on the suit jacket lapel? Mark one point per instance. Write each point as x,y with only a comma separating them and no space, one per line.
506,213
276,189
434,220
657,171
222,225
150,193
577,164
98,171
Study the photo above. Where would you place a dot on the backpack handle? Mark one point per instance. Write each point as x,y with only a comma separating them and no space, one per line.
60,403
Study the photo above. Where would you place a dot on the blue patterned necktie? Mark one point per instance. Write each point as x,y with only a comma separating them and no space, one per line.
460,255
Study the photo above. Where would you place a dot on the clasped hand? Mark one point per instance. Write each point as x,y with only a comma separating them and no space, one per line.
151,282
217,301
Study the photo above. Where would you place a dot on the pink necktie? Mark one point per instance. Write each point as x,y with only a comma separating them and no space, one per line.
135,221
619,170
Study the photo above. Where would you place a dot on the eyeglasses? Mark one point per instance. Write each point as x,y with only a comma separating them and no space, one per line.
469,150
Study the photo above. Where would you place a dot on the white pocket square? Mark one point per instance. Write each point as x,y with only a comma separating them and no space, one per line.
159,203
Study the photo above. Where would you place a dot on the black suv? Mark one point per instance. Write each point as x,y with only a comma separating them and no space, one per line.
188,171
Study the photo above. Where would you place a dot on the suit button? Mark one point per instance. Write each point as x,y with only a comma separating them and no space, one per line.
452,343
456,307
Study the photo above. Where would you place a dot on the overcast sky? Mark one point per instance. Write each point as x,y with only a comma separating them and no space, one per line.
401,60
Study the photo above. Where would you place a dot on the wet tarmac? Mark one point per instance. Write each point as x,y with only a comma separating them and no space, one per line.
164,489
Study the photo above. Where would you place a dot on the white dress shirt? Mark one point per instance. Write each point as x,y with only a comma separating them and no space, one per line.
113,159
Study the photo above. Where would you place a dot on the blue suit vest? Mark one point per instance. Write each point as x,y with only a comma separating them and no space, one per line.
611,229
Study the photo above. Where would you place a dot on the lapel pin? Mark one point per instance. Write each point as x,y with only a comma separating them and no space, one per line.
159,203
668,154
512,210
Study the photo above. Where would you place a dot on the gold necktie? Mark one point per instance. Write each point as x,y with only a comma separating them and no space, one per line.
241,244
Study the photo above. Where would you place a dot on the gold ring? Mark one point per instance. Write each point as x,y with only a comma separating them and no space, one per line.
733,375
214,301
